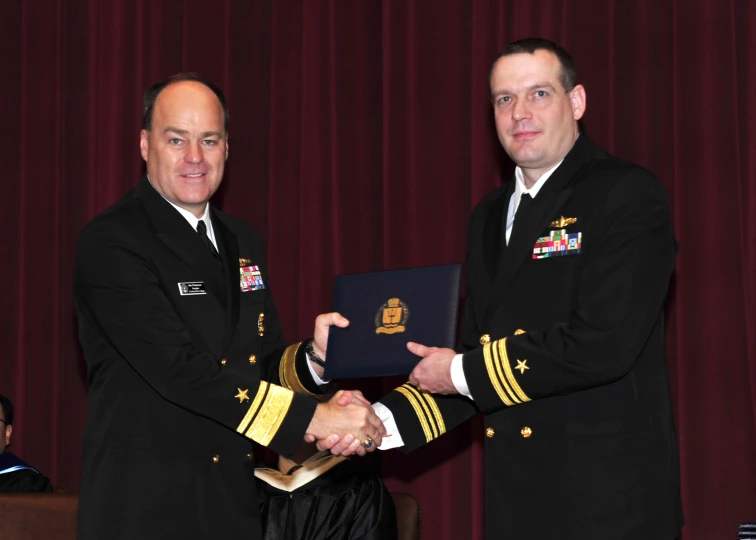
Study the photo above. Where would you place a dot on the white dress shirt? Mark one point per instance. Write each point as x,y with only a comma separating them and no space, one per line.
194,220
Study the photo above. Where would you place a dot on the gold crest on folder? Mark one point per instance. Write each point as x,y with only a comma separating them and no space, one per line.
391,317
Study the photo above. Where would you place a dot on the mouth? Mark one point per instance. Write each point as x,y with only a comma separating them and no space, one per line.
193,175
524,135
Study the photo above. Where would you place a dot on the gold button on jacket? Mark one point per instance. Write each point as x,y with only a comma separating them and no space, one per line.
252,359
526,432
519,331
223,362
216,458
490,433
485,339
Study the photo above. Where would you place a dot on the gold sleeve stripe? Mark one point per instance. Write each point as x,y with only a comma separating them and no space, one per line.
428,415
496,350
431,404
493,376
252,411
272,413
287,371
418,411
508,370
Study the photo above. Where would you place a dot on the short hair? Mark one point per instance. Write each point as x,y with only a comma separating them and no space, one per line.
7,406
568,77
152,93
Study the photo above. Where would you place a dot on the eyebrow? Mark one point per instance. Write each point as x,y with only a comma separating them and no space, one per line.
529,88
185,133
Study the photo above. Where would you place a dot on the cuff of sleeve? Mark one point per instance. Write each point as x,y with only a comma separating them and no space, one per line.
393,439
277,418
296,374
458,376
417,415
315,376
493,378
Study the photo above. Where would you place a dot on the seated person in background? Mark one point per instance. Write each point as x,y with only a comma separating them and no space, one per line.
15,475
320,496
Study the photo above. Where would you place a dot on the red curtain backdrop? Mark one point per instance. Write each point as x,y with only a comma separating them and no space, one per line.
361,137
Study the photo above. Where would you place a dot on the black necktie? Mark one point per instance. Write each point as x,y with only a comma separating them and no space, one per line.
526,201
202,231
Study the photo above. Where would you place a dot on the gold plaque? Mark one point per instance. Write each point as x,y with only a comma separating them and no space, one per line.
391,317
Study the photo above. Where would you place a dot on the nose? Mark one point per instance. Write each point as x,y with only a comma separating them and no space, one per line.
193,153
520,110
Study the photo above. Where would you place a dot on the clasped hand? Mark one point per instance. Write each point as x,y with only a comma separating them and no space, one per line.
432,374
346,420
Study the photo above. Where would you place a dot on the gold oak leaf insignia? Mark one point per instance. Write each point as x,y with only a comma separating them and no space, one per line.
242,395
521,366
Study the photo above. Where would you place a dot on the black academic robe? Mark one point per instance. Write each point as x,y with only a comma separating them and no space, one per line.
564,356
185,369
17,476
343,503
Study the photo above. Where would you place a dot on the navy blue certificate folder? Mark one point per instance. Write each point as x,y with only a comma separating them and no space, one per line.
385,311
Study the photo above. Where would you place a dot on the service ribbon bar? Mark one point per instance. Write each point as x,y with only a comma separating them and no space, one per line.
557,244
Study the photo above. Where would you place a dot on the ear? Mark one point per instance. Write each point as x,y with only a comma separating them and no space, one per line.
578,100
144,143
226,147
8,431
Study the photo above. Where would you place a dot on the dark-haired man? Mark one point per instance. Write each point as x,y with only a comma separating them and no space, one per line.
186,361
16,476
563,336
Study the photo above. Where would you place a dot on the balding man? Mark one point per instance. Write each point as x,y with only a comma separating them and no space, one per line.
186,361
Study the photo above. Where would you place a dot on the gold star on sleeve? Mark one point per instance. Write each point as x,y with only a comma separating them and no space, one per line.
242,395
521,366
501,373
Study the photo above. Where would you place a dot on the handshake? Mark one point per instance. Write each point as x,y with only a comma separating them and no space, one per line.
346,424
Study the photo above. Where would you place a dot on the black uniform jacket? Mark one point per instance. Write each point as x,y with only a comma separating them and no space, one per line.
564,355
185,370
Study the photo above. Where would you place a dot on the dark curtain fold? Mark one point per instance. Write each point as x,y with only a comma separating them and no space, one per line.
361,137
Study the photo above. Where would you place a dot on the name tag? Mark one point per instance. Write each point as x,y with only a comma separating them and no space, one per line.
190,288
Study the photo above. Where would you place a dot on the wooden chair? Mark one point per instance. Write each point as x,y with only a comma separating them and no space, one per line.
409,516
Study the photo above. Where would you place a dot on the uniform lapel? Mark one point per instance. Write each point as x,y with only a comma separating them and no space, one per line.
554,193
178,236
229,252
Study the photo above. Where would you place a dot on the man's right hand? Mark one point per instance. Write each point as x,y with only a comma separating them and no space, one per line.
343,423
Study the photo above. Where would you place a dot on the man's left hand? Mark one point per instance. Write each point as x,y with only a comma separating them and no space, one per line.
322,324
433,373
